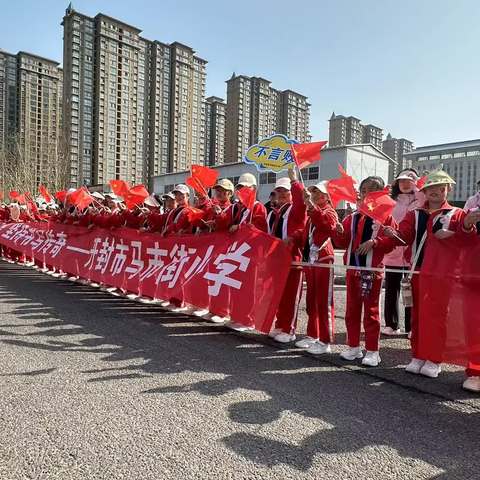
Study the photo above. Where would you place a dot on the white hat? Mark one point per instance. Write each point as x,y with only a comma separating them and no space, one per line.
247,180
283,182
71,190
97,195
224,183
111,195
182,188
321,186
169,195
151,201
407,175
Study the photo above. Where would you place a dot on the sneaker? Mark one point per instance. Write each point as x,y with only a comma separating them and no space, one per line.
306,342
390,331
111,289
132,296
239,327
472,384
72,279
430,369
352,353
218,319
165,304
145,300
371,359
318,348
285,337
415,366
201,313
181,309
275,332
94,284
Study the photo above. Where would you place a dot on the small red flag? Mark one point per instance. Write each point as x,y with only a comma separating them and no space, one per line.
61,196
378,206
13,195
45,193
135,196
194,214
21,199
119,187
206,176
196,185
247,196
305,154
421,182
81,198
342,188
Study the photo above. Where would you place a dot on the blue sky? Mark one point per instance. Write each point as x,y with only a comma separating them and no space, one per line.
409,66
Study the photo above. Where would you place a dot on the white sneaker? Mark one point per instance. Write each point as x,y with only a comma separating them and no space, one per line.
218,319
371,359
239,327
306,342
201,313
390,331
285,338
275,332
472,384
181,309
352,353
94,284
430,369
145,300
415,366
72,279
318,348
165,304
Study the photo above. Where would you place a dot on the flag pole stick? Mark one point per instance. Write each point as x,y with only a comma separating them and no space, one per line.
397,237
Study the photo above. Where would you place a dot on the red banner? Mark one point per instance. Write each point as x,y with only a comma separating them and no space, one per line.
240,275
449,313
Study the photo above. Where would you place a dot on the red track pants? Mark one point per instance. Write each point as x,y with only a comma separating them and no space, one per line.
320,302
286,318
371,316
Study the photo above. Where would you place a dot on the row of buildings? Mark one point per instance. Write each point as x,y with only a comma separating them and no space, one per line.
123,106
350,130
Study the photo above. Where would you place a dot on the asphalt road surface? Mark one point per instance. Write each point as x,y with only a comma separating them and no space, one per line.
97,387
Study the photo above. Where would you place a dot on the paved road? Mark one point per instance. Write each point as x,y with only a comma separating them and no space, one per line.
96,387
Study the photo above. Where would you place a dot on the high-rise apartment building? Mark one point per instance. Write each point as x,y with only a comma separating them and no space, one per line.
8,97
238,113
349,131
256,110
344,130
215,112
134,108
187,117
372,134
294,116
31,115
396,148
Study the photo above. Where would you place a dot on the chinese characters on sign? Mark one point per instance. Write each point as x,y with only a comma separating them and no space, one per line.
271,154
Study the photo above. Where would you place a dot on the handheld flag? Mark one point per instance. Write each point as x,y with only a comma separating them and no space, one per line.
61,196
342,188
45,193
202,178
135,196
305,154
195,214
247,196
119,187
378,206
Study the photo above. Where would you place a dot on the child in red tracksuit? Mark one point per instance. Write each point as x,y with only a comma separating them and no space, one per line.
321,225
437,217
365,247
287,222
